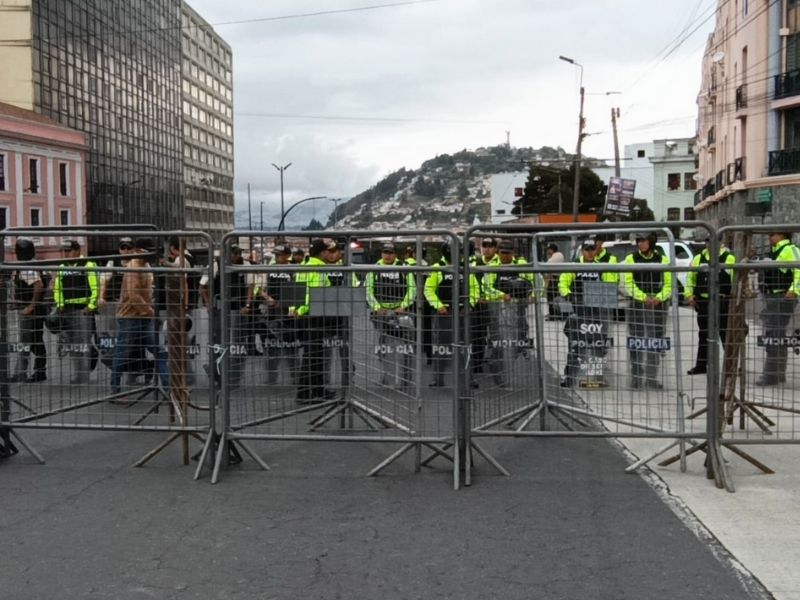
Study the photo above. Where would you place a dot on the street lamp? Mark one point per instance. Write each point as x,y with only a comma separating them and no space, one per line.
577,191
281,170
284,214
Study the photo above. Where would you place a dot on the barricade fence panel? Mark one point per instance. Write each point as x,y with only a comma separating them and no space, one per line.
608,346
355,342
111,342
761,369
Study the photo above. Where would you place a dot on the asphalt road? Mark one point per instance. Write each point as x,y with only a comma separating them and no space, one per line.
568,524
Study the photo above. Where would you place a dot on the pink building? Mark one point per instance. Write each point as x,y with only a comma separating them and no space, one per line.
42,175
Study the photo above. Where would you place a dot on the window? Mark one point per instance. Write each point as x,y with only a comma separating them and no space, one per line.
673,214
64,216
689,182
36,217
33,175
673,182
3,217
2,172
63,179
640,154
688,213
745,7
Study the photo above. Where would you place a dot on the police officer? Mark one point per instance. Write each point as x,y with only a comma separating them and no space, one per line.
441,296
75,293
780,287
237,313
29,288
337,329
572,289
508,293
311,385
391,293
650,293
479,318
270,294
696,294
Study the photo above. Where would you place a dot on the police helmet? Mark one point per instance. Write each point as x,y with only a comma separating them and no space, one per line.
24,249
650,236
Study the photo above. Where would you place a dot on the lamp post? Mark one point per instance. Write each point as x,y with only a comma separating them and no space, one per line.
577,191
285,213
281,170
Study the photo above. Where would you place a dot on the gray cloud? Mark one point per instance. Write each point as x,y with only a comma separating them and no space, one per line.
468,60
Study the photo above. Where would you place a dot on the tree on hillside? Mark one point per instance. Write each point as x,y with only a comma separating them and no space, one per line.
314,225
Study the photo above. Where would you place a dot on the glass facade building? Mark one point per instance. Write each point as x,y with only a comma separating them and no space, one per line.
112,69
150,84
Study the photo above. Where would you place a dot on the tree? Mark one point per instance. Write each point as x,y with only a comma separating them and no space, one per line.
542,191
640,212
314,225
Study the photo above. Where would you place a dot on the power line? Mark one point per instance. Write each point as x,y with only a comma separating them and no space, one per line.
320,13
366,119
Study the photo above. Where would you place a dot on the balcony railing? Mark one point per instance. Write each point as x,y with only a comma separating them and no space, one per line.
782,162
738,169
741,97
709,189
787,84
729,174
698,197
719,181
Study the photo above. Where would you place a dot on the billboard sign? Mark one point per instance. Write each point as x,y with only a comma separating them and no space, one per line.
620,196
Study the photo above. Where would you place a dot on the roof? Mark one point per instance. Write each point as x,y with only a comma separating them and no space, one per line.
9,110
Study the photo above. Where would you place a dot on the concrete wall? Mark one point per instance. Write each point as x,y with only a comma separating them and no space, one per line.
16,55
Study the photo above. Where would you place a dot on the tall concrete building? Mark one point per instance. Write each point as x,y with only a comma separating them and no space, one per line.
748,125
207,104
114,71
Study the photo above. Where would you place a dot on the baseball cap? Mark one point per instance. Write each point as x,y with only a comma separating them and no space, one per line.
70,245
505,246
388,247
125,243
589,244
282,250
319,245
488,242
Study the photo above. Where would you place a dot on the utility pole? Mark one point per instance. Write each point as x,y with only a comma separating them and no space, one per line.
281,170
508,139
262,215
577,185
249,218
614,117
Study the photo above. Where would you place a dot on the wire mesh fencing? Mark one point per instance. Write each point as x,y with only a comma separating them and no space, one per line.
343,345
592,346
760,373
106,342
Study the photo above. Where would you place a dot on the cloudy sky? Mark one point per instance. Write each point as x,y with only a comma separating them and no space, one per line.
352,94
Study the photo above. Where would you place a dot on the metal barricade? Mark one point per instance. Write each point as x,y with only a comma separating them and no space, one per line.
105,342
760,374
608,361
340,348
